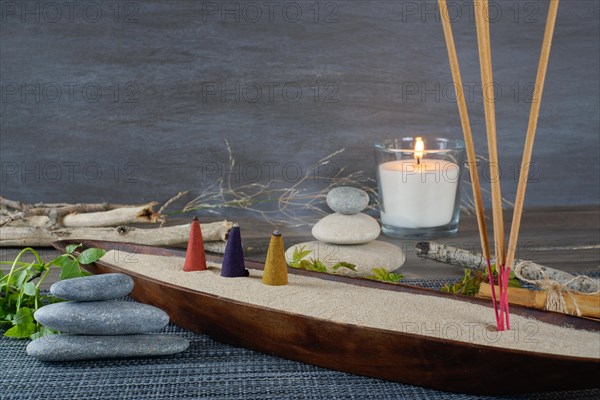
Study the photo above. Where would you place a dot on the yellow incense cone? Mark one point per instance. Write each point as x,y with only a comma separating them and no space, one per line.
275,273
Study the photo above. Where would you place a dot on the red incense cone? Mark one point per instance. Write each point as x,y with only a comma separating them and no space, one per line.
195,259
233,259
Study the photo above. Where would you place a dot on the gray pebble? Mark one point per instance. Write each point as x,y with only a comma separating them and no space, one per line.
376,254
346,229
75,347
102,317
347,200
93,288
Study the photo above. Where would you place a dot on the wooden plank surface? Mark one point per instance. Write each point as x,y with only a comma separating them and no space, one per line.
566,238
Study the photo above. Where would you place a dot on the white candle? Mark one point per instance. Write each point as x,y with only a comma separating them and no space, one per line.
418,193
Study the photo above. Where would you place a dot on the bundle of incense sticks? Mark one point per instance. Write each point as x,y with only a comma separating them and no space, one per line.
504,259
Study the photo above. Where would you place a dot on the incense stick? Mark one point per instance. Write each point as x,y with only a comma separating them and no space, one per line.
487,81
485,57
531,130
529,139
466,126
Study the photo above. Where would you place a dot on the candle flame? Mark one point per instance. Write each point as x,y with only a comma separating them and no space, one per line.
419,148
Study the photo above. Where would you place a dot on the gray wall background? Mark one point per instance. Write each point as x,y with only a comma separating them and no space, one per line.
124,101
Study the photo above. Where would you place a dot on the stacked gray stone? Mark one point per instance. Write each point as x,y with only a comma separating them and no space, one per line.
95,325
348,235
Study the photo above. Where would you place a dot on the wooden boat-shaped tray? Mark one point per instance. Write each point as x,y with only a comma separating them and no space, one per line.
403,357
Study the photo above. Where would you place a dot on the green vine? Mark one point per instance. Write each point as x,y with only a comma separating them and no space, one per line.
20,297
472,280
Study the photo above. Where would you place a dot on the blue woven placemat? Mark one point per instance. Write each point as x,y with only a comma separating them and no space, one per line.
208,369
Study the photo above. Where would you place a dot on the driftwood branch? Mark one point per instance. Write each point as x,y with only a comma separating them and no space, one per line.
114,217
468,259
215,247
118,216
16,205
67,209
74,215
41,224
20,206
176,236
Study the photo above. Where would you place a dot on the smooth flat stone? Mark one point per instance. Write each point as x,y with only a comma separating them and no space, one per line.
93,288
75,347
102,317
346,229
347,200
375,254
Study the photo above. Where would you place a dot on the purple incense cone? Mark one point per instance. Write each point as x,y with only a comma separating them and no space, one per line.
233,259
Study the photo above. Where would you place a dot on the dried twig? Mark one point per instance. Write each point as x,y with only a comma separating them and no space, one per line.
172,200
167,204
297,205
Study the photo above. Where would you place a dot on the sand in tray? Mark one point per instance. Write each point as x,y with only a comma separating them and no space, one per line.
395,311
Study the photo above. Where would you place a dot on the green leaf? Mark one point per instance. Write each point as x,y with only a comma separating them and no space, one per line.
44,331
14,297
382,274
61,260
492,267
514,282
379,273
447,288
343,264
18,279
300,253
316,265
90,255
29,289
305,264
23,316
70,269
21,330
297,256
72,247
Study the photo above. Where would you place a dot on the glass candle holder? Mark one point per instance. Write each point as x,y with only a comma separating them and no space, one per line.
419,184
